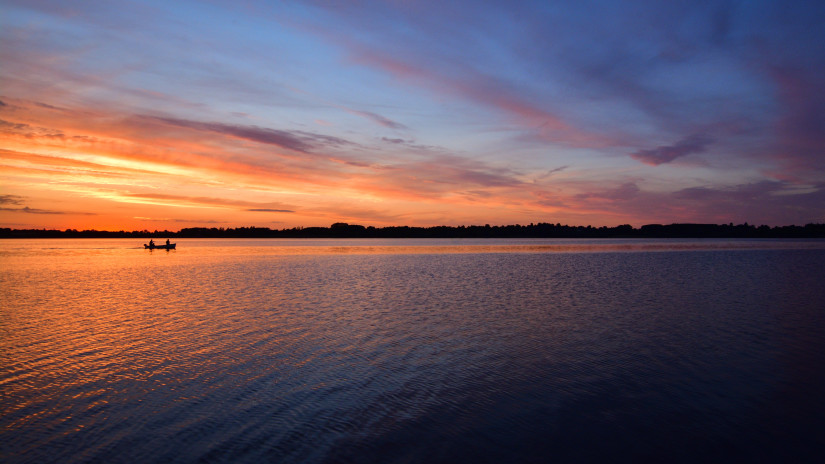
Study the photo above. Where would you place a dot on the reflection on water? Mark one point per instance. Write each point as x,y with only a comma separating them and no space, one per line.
411,351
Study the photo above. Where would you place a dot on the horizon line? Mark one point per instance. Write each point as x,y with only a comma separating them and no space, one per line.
351,227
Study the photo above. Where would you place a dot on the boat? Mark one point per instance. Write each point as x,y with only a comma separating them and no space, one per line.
171,246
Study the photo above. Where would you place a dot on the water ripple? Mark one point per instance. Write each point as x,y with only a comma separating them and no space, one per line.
710,352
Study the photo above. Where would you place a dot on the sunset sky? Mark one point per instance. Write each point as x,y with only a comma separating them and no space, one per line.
171,114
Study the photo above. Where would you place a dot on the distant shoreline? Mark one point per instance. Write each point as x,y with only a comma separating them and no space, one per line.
540,230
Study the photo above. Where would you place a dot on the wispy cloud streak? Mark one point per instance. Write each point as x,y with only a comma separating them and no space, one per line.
665,154
382,120
300,141
209,201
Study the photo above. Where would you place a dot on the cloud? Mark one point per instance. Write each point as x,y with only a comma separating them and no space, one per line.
172,152
50,107
411,144
182,200
624,192
459,171
428,58
72,165
11,200
384,121
300,141
480,88
267,136
29,131
595,75
549,173
13,127
28,210
270,210
769,202
696,143
523,72
763,202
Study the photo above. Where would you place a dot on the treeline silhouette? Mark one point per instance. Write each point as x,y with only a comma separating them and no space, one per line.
540,230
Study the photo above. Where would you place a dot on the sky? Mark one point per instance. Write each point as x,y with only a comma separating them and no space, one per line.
120,115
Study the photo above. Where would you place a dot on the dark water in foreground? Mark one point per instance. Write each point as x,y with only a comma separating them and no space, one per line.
412,351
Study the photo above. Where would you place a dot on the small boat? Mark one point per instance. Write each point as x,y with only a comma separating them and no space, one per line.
171,246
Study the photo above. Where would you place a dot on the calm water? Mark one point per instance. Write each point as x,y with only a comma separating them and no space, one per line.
412,351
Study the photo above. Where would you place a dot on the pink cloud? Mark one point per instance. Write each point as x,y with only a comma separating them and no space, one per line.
487,91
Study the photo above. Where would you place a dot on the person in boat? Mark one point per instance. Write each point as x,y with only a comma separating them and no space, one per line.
151,243
167,242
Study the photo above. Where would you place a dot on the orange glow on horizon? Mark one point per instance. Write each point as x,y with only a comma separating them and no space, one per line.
105,174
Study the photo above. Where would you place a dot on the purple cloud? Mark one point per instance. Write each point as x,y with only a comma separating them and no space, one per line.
451,169
765,202
666,153
382,120
304,142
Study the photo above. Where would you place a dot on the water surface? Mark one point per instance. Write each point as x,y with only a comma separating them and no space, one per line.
412,350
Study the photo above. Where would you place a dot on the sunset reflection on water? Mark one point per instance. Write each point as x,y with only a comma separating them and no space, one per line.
386,351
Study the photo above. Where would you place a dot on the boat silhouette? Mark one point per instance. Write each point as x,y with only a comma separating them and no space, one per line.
152,246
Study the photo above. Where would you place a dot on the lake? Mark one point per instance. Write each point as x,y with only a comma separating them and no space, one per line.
406,351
